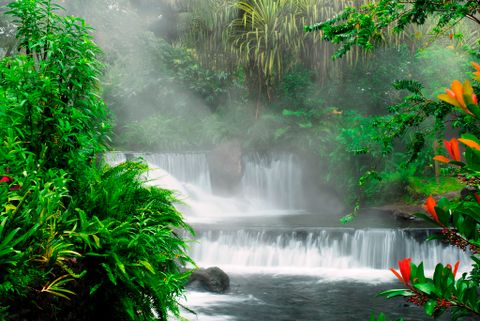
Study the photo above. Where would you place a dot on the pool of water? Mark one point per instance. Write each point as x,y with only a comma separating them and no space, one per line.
283,297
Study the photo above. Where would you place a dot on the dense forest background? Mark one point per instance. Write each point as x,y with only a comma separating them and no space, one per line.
188,75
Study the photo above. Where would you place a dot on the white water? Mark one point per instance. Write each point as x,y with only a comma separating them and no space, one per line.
333,253
277,180
272,187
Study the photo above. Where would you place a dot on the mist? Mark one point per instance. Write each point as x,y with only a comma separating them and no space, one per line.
165,96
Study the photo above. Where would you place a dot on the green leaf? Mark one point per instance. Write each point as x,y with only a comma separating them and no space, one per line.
429,307
396,292
426,288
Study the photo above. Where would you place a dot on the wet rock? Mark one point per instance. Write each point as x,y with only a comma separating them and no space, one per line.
226,169
406,212
212,279
401,211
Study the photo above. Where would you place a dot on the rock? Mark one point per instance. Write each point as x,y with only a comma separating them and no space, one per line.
212,279
226,169
401,211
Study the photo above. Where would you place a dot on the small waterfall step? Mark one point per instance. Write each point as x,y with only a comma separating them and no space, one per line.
316,248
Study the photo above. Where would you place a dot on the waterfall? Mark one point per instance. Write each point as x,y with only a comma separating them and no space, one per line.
189,168
317,248
269,185
276,179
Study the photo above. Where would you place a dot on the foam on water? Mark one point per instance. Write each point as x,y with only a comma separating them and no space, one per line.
330,254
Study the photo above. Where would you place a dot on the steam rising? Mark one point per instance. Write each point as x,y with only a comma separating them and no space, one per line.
159,108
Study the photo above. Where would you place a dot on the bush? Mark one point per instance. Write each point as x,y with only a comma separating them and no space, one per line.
78,241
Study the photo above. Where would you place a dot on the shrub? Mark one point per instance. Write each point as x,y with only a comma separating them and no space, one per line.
78,240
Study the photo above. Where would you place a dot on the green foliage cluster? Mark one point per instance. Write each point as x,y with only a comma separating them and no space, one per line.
367,25
79,240
458,219
459,222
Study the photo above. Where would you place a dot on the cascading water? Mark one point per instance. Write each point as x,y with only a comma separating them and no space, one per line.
275,179
284,271
301,251
270,186
191,168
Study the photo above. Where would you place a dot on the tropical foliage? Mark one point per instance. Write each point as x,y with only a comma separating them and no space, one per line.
367,25
459,222
458,219
79,240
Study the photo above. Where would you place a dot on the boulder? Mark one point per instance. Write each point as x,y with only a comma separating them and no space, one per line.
212,279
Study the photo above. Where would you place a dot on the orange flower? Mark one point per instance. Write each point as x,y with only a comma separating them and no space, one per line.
442,159
476,73
405,270
452,148
455,268
460,95
430,208
470,143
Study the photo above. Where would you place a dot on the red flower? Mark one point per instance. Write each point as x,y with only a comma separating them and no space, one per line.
405,270
452,148
5,179
430,208
455,268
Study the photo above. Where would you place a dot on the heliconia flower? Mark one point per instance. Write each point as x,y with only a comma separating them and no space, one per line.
405,270
458,93
455,268
430,208
452,148
470,143
477,73
442,159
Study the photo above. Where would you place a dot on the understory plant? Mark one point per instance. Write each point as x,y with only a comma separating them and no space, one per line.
79,240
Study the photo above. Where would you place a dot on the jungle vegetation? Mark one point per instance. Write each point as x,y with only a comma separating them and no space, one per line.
187,75
79,240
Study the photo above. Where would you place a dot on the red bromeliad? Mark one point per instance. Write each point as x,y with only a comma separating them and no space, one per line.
5,179
477,197
452,148
405,269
